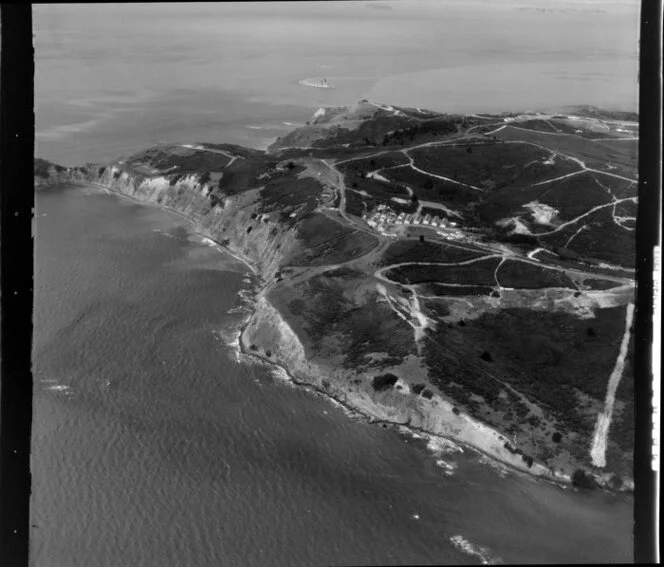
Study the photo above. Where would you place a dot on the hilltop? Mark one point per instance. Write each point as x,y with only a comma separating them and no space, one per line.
464,275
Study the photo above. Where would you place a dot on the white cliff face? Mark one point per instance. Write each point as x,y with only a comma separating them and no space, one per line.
265,244
319,113
60,175
258,240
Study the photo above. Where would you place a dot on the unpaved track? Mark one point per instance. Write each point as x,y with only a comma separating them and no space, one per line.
598,449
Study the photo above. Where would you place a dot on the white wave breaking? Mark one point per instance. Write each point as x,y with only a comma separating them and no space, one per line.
482,553
59,388
495,465
449,467
439,447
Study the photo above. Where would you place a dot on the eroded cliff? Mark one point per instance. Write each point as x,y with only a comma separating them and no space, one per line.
456,335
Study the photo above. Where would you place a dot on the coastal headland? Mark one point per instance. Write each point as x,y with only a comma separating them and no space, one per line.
465,276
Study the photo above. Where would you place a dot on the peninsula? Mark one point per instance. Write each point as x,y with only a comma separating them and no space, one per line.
466,276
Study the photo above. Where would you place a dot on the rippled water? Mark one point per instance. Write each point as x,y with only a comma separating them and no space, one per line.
154,445
111,79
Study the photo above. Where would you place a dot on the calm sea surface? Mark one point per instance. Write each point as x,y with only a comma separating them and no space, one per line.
153,445
114,78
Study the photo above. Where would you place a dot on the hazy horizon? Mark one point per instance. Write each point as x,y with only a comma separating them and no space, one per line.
111,79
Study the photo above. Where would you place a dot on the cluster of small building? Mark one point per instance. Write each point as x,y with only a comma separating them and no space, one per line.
383,216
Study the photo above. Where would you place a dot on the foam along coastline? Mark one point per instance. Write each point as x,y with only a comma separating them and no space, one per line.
204,239
445,431
483,554
320,83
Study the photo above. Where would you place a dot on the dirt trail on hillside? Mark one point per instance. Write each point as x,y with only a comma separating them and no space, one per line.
598,450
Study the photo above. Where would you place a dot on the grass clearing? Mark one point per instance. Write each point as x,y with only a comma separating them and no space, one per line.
289,195
492,165
372,163
571,197
478,273
545,355
627,209
442,290
606,241
521,275
326,241
592,153
357,204
182,160
603,240
416,251
429,188
356,330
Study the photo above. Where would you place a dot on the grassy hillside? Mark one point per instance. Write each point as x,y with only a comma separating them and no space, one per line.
512,307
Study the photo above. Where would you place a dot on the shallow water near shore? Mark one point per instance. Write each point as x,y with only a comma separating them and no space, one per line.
152,445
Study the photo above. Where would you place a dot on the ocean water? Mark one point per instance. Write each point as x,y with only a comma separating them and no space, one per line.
154,445
111,79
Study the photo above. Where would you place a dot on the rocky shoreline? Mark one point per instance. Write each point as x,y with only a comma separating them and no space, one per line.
430,417
352,403
356,408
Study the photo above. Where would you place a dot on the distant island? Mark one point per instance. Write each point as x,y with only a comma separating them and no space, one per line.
466,276
316,82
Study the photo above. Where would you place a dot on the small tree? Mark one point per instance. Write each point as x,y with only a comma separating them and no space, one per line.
417,388
615,482
582,480
384,382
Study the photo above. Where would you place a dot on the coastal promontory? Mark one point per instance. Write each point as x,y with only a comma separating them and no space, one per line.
469,276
